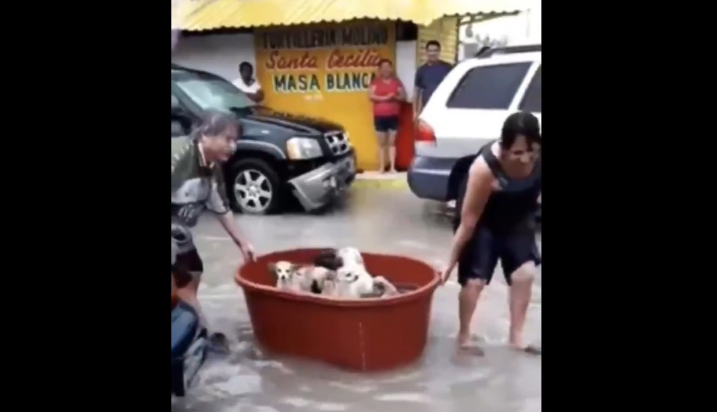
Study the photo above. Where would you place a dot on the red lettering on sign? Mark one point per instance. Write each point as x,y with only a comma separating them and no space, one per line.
353,60
278,62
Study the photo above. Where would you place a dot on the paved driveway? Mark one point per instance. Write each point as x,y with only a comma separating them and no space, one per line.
387,221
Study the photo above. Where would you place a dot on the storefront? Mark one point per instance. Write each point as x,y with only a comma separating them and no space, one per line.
319,69
324,71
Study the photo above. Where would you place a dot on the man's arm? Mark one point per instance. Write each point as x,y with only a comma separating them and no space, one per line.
181,150
257,94
219,204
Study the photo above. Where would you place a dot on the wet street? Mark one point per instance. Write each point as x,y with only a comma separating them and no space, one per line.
378,220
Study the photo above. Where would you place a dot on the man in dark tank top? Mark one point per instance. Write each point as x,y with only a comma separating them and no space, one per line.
496,207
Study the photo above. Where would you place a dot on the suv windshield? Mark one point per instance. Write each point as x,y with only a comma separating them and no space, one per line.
211,92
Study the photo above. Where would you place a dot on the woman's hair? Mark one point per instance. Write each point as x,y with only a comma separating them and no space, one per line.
520,124
382,61
215,122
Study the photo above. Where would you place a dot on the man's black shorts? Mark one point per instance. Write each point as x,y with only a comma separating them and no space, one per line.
483,251
188,265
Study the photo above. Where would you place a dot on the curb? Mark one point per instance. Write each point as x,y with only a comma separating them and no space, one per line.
398,182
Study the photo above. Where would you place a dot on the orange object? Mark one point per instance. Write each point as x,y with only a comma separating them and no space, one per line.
404,138
361,335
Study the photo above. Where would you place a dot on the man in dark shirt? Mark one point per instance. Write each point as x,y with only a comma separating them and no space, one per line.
429,76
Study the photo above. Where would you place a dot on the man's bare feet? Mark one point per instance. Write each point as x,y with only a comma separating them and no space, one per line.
466,345
393,171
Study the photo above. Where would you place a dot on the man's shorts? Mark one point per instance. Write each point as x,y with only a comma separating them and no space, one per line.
186,262
187,266
385,124
481,255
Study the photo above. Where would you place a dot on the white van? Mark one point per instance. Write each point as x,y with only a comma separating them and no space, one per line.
466,111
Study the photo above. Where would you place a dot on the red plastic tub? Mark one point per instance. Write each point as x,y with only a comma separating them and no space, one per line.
362,335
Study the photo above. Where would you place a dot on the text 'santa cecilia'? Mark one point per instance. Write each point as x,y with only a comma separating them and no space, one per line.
325,71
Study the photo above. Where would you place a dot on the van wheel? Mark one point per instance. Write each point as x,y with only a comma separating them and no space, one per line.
255,187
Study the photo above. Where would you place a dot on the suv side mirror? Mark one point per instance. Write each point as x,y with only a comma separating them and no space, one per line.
177,111
178,129
181,121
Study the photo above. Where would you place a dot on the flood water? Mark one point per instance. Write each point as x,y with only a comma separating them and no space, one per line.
383,221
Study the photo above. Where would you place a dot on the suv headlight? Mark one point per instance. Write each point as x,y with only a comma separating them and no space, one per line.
300,148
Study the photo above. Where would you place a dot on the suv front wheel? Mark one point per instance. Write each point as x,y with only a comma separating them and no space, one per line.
255,187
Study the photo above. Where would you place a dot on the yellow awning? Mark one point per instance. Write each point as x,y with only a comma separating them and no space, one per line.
197,15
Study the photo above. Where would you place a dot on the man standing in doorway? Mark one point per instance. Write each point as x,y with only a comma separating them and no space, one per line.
429,76
248,84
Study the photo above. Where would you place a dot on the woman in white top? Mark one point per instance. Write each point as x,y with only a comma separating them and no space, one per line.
249,85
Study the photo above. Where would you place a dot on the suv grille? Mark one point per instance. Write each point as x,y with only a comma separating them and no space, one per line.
338,143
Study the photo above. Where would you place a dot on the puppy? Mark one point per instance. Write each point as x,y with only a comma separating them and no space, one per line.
350,256
352,282
383,288
333,259
329,285
328,259
311,278
285,274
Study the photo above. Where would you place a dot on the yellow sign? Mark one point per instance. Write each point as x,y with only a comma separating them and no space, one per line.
325,71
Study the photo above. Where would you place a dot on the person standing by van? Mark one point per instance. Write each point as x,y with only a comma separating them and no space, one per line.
428,76
386,93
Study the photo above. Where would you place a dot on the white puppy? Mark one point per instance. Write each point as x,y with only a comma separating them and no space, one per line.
352,282
350,256
329,285
311,278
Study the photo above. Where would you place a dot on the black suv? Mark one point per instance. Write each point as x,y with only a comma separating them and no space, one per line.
277,155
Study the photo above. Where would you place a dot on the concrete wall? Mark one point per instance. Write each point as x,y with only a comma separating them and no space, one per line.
219,54
405,65
524,28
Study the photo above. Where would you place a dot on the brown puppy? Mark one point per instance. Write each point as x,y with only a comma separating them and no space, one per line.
285,275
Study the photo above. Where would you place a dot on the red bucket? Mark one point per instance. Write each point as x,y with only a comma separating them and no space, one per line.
362,335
